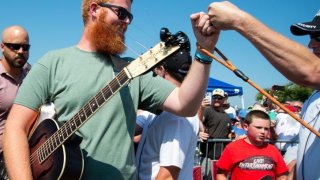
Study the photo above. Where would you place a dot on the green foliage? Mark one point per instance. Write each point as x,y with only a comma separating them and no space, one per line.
291,92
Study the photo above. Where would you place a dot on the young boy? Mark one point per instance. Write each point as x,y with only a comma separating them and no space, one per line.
252,157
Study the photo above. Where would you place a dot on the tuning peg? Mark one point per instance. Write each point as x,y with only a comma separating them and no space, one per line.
164,34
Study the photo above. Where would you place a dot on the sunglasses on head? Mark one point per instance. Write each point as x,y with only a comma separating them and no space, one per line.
121,12
16,47
316,37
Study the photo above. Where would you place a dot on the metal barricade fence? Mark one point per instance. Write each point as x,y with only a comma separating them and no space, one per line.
208,163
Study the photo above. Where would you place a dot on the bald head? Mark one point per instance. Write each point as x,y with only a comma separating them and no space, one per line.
15,34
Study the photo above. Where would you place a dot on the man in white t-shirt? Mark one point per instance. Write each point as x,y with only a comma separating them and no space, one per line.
167,146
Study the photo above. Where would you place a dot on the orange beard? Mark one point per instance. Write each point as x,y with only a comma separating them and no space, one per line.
108,38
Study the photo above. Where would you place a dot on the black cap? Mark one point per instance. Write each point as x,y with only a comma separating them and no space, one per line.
179,62
305,28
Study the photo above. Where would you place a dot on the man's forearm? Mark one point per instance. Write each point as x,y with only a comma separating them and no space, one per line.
293,60
16,154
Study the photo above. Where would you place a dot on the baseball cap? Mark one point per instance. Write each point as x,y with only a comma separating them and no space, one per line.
179,62
304,28
232,117
219,92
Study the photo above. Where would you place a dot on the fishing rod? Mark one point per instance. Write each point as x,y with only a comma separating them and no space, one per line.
227,63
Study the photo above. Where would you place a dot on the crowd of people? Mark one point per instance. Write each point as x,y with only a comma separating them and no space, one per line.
157,110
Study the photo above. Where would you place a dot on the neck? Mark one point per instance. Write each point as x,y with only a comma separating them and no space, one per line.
258,144
14,72
85,44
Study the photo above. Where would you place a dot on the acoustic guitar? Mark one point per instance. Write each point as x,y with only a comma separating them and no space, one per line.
55,151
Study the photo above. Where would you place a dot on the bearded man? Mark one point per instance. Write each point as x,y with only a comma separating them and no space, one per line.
71,77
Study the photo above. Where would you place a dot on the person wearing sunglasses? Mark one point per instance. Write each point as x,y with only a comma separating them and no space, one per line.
217,124
293,60
70,77
13,68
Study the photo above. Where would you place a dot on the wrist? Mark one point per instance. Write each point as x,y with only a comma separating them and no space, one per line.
202,58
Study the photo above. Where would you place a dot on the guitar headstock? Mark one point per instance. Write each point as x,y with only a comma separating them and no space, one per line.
168,45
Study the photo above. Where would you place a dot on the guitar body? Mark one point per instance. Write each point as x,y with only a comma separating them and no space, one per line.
66,162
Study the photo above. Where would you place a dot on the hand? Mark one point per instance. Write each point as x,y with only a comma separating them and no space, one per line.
206,35
205,102
225,15
203,136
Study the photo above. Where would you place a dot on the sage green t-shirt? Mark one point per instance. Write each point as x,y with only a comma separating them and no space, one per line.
70,78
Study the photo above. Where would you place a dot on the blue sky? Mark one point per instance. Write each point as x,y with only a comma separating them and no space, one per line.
58,24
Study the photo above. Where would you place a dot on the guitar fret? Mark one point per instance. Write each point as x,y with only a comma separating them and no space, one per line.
116,78
107,92
87,110
100,98
73,124
124,78
54,137
68,128
82,116
60,136
64,133
77,120
110,87
115,84
93,105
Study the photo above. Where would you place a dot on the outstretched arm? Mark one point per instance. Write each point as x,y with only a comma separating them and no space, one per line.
186,99
293,60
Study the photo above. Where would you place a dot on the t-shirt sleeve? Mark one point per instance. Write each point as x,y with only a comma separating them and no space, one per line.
145,118
153,92
281,165
35,87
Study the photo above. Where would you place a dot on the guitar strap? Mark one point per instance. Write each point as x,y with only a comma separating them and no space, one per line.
120,63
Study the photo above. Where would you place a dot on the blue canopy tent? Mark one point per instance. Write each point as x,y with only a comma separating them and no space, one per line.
230,89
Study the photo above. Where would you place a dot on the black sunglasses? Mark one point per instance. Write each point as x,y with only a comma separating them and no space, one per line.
121,12
316,37
217,97
16,47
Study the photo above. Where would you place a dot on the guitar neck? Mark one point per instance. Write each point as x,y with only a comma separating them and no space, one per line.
71,126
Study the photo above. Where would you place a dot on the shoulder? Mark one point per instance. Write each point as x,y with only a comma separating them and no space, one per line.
236,143
54,55
171,117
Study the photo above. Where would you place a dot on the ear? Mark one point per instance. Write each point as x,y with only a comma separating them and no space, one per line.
94,10
2,47
160,71
245,126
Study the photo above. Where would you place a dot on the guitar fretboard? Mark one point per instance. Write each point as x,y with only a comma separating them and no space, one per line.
71,126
